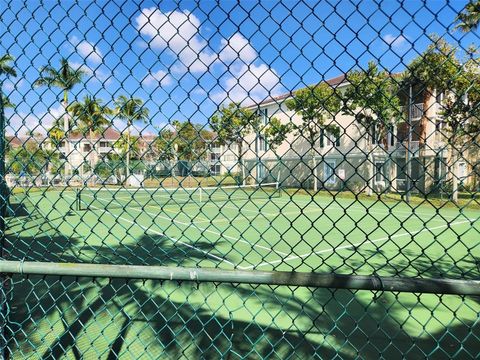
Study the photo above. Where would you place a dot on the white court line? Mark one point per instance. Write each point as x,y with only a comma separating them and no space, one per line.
174,240
209,231
334,249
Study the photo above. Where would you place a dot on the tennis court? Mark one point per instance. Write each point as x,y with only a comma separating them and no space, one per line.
262,227
256,228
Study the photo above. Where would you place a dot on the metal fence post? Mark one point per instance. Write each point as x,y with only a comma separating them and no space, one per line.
3,214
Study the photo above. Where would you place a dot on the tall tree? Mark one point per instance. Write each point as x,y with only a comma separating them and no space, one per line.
460,112
92,117
192,140
275,132
164,144
232,124
433,70
65,78
373,99
316,105
469,18
131,110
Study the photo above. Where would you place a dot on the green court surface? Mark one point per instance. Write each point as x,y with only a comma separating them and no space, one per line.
290,232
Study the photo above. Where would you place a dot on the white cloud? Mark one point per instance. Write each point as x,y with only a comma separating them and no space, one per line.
11,85
237,47
180,33
173,29
251,83
89,51
19,123
159,77
395,41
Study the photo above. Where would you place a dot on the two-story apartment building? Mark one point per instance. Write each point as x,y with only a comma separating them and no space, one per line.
357,159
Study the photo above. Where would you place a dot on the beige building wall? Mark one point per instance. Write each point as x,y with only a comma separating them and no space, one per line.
291,162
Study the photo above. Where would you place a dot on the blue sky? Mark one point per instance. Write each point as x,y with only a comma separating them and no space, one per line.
184,59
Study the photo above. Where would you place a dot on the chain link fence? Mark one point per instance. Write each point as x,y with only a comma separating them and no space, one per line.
287,179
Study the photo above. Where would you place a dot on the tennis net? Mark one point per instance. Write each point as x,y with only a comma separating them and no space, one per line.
101,198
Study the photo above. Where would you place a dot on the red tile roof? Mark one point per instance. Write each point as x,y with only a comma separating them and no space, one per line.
107,134
15,141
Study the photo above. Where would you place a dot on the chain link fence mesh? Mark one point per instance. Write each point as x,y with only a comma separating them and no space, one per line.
228,179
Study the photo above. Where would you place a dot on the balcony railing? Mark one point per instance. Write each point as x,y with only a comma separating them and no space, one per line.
417,111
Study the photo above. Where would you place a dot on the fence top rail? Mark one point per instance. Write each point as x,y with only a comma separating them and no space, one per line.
275,278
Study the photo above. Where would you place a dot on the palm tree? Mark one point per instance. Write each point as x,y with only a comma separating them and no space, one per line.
5,67
6,103
65,78
7,70
91,116
131,110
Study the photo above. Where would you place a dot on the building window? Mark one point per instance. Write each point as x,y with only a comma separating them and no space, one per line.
332,139
462,171
329,172
215,169
103,143
87,147
214,156
380,175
